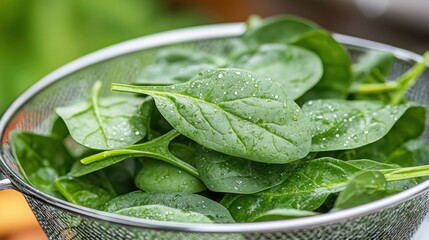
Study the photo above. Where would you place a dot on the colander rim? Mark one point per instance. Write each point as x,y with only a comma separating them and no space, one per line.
206,32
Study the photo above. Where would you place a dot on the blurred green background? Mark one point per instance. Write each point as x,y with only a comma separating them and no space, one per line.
38,36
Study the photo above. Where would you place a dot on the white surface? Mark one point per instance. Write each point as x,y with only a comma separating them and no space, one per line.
423,232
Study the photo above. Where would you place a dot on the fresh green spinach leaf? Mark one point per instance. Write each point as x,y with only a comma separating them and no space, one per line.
228,174
184,201
364,187
413,152
295,68
41,159
171,66
91,191
278,29
105,123
164,213
340,124
158,176
337,74
221,110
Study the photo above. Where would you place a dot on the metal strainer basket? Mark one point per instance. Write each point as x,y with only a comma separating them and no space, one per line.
394,217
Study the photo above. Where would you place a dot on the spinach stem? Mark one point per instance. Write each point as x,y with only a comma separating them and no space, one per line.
368,88
155,149
406,173
408,79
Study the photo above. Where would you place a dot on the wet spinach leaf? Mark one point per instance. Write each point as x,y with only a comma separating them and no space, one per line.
401,132
158,176
413,152
228,174
91,191
184,201
105,123
364,187
306,187
372,67
221,110
41,159
164,213
278,29
340,124
171,66
295,68
337,74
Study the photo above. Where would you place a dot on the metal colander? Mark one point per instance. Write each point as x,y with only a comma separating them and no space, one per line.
394,217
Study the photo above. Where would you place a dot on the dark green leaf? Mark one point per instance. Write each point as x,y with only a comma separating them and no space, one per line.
373,67
164,213
278,29
337,75
158,176
184,201
222,110
172,66
401,132
364,187
41,159
295,68
340,124
225,173
306,187
414,152
105,123
91,191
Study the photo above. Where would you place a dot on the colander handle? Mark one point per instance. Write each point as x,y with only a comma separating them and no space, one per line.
5,183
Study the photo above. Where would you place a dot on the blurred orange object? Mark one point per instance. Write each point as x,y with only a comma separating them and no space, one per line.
16,218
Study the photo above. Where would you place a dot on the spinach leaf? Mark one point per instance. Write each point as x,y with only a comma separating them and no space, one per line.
164,213
372,67
281,214
158,176
184,201
228,174
91,191
414,152
364,187
157,148
59,129
337,75
278,29
41,159
295,68
221,110
306,187
338,124
171,66
121,175
105,123
401,132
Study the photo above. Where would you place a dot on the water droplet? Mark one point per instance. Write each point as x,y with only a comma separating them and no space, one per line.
235,92
238,73
173,87
220,75
294,118
276,96
137,133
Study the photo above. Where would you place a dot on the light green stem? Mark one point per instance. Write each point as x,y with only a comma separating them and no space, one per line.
406,173
408,79
368,88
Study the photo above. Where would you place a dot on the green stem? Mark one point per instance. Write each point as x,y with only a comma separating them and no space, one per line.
408,79
156,149
368,88
131,88
406,173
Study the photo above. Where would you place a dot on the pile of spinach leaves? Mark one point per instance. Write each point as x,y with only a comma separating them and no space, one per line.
280,124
